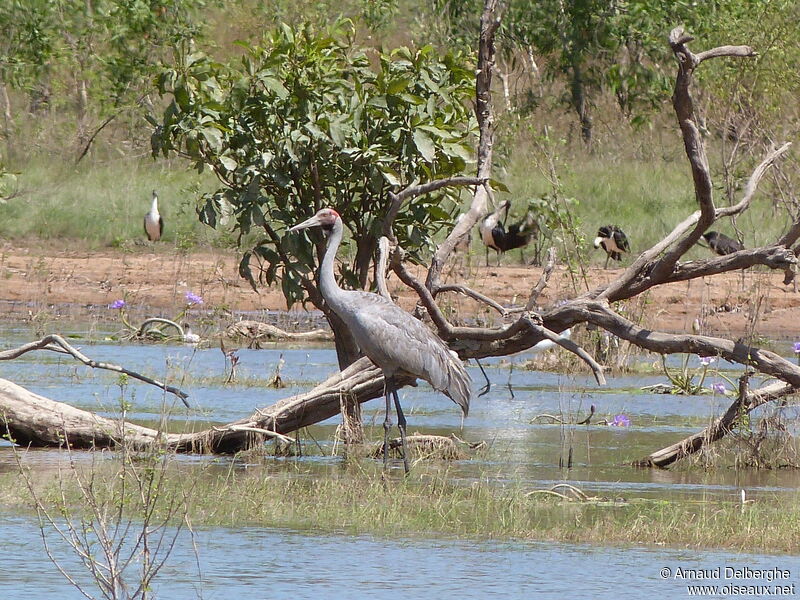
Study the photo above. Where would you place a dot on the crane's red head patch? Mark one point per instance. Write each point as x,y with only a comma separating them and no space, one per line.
325,218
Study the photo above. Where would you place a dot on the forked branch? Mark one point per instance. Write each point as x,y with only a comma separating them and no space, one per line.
56,343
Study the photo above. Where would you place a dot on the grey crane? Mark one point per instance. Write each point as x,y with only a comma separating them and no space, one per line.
153,221
394,340
613,240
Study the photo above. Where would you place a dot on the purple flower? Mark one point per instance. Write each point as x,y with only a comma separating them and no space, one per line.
718,388
707,360
797,347
192,298
620,421
117,304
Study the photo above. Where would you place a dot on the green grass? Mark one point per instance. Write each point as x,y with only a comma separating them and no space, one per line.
359,500
647,193
104,204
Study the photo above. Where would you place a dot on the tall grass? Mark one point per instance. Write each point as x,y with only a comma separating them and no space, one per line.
103,204
358,499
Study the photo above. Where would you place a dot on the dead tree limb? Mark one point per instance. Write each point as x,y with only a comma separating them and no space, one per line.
56,343
490,22
744,404
30,419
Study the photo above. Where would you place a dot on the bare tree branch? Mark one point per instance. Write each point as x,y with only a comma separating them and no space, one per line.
490,21
380,267
542,283
58,344
719,428
417,190
462,289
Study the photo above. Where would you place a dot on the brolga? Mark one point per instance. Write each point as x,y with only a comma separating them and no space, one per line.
153,221
390,337
494,233
721,243
613,240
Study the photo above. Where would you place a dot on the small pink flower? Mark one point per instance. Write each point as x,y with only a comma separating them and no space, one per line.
117,304
620,421
192,299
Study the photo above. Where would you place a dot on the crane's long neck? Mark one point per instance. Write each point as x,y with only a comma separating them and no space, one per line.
327,279
154,207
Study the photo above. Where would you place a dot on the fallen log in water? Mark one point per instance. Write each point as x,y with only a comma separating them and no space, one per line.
33,420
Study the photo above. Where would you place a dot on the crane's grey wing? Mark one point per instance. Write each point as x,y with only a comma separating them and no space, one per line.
397,341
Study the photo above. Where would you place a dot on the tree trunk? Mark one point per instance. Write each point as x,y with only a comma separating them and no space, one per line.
6,107
32,420
578,97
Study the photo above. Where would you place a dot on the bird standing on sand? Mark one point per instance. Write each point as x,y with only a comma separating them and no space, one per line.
495,235
390,337
721,243
613,240
153,221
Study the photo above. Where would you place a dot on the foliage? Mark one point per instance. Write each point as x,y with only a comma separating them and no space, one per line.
90,58
308,119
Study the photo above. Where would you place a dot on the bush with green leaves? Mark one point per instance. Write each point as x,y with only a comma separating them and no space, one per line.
308,119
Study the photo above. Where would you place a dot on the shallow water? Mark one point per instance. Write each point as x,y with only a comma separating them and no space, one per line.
522,449
259,563
255,563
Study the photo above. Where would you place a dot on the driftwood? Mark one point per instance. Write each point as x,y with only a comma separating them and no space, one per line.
427,446
33,420
746,402
56,343
256,332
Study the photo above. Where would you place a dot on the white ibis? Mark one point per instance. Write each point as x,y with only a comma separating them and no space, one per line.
189,336
721,243
495,235
391,338
153,221
613,240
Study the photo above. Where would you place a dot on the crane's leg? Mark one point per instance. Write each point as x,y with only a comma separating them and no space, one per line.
608,256
387,424
485,389
401,425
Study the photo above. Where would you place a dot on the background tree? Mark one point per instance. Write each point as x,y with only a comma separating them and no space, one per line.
309,119
90,58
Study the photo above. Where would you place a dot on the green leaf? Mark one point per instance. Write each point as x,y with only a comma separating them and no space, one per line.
245,272
390,175
424,145
228,163
213,136
499,185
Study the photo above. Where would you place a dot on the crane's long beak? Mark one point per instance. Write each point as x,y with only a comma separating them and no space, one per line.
312,222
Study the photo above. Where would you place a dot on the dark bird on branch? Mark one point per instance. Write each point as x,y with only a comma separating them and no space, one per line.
721,243
389,336
613,240
153,221
495,235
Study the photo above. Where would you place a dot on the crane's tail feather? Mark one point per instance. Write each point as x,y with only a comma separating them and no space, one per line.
459,384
